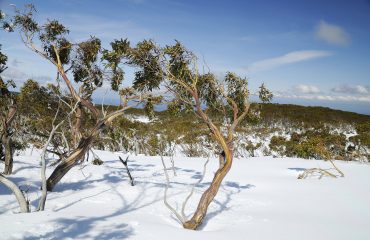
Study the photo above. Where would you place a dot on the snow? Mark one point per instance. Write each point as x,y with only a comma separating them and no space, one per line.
261,198
140,118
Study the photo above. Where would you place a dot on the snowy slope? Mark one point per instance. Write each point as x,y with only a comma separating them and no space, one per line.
261,198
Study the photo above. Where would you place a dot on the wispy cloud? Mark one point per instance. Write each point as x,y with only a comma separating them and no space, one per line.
356,89
306,89
332,34
289,58
15,62
82,26
19,77
247,39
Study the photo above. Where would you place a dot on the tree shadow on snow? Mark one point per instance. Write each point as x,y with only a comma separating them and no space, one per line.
88,228
297,169
229,189
24,184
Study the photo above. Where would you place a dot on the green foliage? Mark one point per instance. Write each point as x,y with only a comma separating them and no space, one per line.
146,55
3,60
175,68
52,31
97,161
301,116
149,105
4,86
64,48
84,66
252,147
277,144
113,58
316,143
237,89
179,60
7,98
24,20
264,94
363,137
37,106
208,91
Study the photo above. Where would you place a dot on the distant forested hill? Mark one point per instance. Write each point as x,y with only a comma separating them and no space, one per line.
310,115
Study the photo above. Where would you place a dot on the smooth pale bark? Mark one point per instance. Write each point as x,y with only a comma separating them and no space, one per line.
209,194
42,201
23,204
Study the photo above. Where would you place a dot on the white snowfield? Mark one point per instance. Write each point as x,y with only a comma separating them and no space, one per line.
260,199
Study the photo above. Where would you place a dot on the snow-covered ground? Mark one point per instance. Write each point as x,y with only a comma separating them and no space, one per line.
261,198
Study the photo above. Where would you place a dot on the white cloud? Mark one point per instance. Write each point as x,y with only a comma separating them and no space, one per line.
19,77
332,34
356,89
289,58
306,89
324,97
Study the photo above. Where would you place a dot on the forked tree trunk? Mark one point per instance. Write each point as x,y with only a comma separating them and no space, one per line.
23,204
211,192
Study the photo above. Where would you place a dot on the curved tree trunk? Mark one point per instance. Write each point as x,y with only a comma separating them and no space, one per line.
211,192
74,158
23,204
69,162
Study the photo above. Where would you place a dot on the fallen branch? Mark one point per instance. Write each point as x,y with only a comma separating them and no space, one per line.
321,172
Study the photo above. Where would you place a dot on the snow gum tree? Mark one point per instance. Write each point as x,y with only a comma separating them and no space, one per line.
220,104
86,64
8,111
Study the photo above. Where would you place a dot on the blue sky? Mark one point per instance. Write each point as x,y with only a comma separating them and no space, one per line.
308,52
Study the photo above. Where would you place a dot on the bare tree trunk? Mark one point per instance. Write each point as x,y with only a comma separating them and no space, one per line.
42,201
23,204
77,155
7,143
210,193
84,146
76,131
69,162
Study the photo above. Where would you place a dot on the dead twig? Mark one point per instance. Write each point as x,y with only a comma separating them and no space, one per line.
127,169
